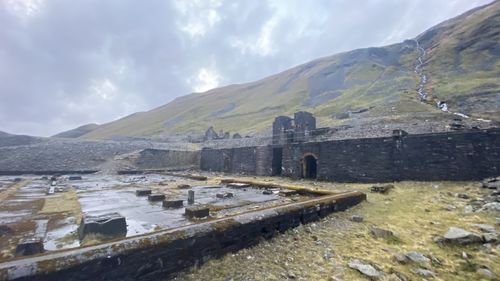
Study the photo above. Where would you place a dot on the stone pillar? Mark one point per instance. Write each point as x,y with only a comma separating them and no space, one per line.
191,197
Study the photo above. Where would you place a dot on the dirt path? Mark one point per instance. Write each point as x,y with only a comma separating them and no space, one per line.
13,189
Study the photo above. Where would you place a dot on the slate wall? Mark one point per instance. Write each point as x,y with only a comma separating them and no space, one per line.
253,160
163,158
469,155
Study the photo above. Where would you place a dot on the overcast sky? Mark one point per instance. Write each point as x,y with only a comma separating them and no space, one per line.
65,63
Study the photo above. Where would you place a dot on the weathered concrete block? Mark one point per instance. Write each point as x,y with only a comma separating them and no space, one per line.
172,204
143,192
112,225
267,192
29,246
197,211
156,197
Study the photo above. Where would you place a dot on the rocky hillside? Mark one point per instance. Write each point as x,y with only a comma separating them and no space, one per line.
364,87
77,132
7,139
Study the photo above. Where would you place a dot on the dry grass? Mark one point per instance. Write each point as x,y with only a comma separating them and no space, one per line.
415,211
65,202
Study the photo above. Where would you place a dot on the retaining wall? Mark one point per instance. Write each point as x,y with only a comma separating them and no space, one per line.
162,158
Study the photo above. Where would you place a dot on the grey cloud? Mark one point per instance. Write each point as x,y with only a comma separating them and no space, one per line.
76,62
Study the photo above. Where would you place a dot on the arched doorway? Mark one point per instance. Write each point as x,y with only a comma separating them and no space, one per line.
309,166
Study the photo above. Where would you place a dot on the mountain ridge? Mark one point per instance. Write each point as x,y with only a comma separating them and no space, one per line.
379,78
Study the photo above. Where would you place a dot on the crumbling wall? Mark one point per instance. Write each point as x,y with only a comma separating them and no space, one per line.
163,158
254,160
467,155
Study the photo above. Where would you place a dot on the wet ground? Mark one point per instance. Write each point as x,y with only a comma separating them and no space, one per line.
28,209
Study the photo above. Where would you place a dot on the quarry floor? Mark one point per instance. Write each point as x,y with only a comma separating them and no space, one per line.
416,212
27,210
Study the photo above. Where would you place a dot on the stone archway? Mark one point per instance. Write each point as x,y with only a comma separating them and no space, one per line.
309,166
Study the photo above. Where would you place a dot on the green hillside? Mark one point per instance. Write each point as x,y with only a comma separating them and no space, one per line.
462,65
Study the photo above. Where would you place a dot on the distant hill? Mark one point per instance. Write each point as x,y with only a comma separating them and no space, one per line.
364,86
77,132
7,139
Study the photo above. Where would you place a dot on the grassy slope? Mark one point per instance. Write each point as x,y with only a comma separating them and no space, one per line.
463,61
459,65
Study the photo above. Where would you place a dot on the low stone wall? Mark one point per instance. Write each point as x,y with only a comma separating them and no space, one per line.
252,160
163,158
159,255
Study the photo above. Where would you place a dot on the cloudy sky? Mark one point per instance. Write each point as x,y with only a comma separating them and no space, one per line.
67,63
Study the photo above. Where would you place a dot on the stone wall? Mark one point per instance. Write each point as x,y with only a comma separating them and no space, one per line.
162,158
253,160
157,256
469,155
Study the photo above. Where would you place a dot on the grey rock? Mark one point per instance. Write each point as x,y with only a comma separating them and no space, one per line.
492,206
460,236
417,257
490,237
357,218
365,268
424,272
401,258
380,232
468,209
484,227
485,273
450,207
463,195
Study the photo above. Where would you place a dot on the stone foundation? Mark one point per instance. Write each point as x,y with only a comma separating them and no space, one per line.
158,255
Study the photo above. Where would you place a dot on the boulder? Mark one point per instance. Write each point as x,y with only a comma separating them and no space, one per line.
380,232
485,227
109,225
486,274
424,272
490,237
417,257
459,236
493,206
183,186
365,268
357,218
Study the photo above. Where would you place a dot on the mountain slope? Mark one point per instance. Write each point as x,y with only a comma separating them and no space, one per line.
462,65
77,132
